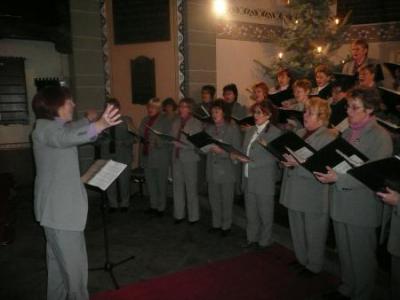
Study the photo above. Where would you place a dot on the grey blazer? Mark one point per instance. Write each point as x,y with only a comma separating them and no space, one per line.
300,190
394,236
238,111
159,150
60,199
348,67
352,202
263,168
188,152
220,168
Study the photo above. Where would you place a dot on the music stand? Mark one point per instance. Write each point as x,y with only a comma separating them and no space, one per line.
108,264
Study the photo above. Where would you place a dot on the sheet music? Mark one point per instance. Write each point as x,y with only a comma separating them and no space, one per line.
342,126
300,155
342,167
102,173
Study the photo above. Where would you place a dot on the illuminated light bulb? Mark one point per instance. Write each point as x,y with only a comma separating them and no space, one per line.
280,55
337,21
220,7
296,22
319,49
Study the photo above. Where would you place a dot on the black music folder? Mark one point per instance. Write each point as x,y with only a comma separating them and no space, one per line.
203,141
202,114
379,174
350,80
289,143
389,124
165,137
394,69
391,99
339,154
279,97
290,114
246,121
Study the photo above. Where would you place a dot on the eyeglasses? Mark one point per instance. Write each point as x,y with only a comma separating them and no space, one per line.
353,107
310,113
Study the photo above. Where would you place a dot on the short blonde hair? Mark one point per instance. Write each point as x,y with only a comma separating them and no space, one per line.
155,102
320,106
304,84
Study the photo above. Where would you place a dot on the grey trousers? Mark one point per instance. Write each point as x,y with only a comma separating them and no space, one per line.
185,190
221,201
260,218
67,265
356,248
123,185
157,181
309,232
395,277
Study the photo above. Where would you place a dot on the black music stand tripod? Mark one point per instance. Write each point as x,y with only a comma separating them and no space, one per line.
108,265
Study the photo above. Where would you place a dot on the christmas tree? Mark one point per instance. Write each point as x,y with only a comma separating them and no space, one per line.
309,34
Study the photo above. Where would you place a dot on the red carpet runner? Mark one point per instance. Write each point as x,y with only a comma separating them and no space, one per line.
252,276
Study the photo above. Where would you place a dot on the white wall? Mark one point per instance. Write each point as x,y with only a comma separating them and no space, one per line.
235,64
41,60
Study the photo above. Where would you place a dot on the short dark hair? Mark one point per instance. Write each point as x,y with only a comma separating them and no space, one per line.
112,101
221,104
47,101
267,108
210,89
169,101
189,102
231,87
368,96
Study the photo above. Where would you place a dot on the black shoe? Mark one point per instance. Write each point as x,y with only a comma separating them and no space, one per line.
112,210
160,213
178,221
334,295
150,211
124,210
193,222
225,232
306,273
214,230
250,245
295,265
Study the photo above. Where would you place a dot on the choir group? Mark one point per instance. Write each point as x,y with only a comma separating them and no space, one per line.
347,105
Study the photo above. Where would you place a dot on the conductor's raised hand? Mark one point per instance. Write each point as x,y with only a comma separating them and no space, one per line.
109,118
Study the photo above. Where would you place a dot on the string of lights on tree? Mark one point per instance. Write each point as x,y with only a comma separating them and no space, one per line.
308,37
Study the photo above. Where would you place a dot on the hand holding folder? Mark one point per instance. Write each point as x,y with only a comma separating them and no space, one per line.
165,137
205,142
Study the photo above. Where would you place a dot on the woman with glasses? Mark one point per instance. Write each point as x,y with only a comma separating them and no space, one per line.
259,175
220,170
304,196
355,210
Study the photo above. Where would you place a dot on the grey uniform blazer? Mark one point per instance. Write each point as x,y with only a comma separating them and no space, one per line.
60,199
159,150
238,110
394,236
352,202
348,67
300,190
220,168
187,152
263,168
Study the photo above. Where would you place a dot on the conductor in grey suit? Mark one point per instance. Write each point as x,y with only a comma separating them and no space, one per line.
260,174
155,156
185,160
60,200
305,197
220,171
355,210
392,199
